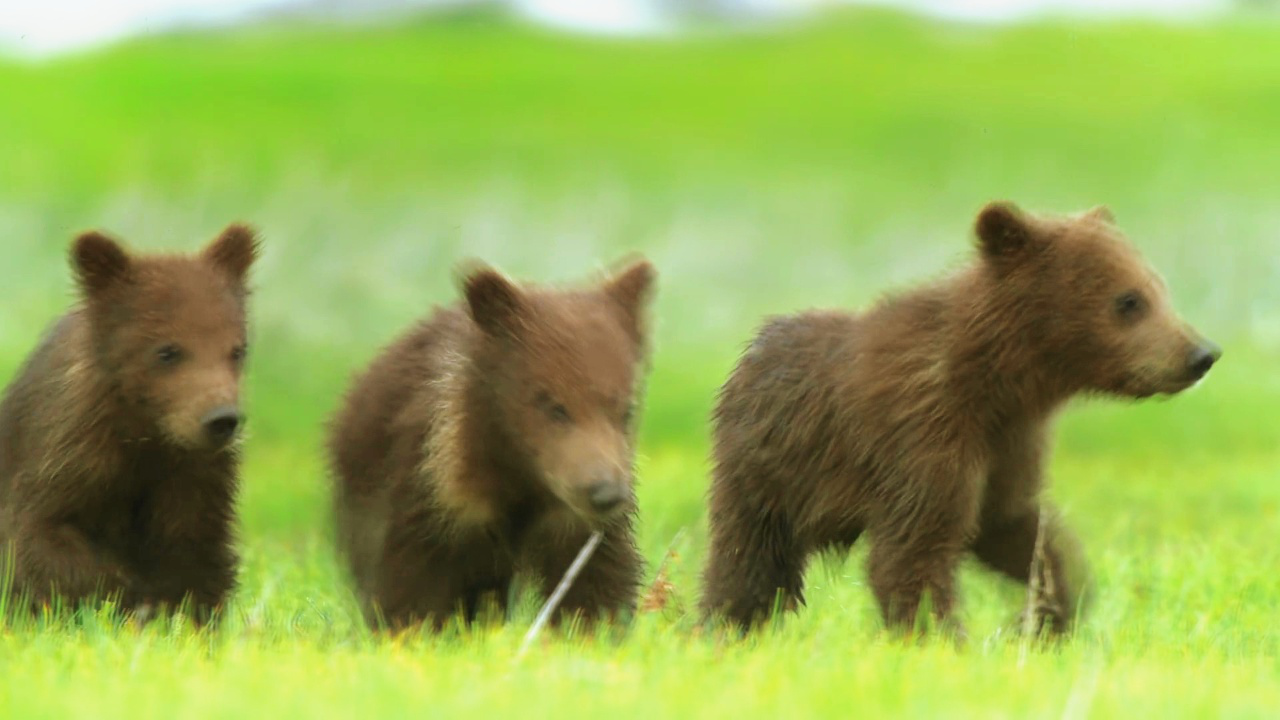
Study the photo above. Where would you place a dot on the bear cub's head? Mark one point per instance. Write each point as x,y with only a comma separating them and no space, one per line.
1103,316
169,334
564,369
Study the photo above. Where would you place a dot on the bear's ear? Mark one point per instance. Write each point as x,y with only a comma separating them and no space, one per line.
99,262
1102,213
632,289
234,251
1003,230
494,301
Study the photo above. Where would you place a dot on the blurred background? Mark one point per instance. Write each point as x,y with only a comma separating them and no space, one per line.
768,155
62,24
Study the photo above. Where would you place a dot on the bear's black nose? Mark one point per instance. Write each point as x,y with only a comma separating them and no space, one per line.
221,424
606,496
1202,358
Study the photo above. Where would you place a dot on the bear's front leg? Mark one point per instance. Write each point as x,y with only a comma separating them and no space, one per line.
607,585
57,559
184,551
906,567
198,572
1007,542
416,581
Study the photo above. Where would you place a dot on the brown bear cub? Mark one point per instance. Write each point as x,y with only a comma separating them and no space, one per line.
118,453
491,439
924,422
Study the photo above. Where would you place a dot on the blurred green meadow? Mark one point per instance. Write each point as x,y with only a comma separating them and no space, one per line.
763,172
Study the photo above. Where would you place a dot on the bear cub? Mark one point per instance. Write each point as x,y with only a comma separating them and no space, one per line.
924,422
118,438
493,438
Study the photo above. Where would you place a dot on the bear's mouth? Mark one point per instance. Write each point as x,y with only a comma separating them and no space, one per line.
1141,388
1182,387
1172,389
598,518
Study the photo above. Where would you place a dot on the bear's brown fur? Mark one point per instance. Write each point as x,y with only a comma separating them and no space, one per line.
924,422
118,460
494,437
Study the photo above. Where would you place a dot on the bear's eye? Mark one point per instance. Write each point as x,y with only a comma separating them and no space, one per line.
238,354
558,413
554,410
1130,305
169,355
628,415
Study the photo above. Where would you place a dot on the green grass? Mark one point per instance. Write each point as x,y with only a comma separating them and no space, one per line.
763,173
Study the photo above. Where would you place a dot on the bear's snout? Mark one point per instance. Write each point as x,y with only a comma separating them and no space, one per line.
221,424
606,496
1201,358
606,491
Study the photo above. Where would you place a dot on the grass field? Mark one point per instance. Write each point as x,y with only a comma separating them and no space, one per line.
763,173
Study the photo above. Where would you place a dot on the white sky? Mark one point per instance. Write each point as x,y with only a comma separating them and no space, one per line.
996,10
40,26
47,26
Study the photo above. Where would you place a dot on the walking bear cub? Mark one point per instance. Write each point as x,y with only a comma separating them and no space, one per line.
492,438
924,422
118,453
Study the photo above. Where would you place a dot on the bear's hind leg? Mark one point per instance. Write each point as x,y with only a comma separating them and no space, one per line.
755,567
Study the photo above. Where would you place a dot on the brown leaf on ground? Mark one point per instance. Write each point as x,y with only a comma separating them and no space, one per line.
661,592
658,596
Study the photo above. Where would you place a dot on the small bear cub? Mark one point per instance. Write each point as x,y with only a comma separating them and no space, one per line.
118,438
924,421
494,438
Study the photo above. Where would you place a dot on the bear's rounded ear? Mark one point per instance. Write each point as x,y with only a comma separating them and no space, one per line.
234,250
1101,213
493,300
632,289
99,262
632,286
1003,230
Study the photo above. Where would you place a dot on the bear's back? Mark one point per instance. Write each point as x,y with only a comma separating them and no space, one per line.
382,427
42,398
847,363
837,394
781,394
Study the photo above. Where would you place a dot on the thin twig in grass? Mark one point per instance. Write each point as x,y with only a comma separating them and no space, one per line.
1042,590
565,583
1034,585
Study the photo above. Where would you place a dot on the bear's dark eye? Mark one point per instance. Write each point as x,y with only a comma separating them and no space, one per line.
169,355
238,354
628,415
1130,305
554,410
558,412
